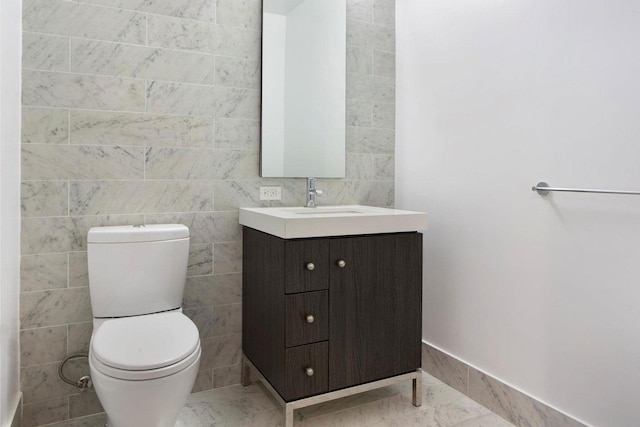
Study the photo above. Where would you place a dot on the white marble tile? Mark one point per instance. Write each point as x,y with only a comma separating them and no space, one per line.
486,420
45,125
237,72
85,403
384,167
384,115
227,257
221,351
359,59
187,99
78,337
44,198
78,270
172,33
204,381
41,382
371,193
231,195
359,166
370,140
226,375
203,318
65,18
202,10
371,88
54,307
43,272
104,128
44,412
384,63
204,227
98,420
179,163
47,89
43,345
236,164
513,405
361,10
176,163
207,291
237,134
63,234
372,36
124,197
240,13
200,259
446,368
115,59
359,113
384,13
81,162
349,402
45,52
226,320
229,406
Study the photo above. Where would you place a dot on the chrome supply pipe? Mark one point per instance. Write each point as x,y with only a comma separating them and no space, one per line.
84,382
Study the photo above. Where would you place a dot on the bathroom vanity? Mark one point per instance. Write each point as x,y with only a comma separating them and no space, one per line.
331,300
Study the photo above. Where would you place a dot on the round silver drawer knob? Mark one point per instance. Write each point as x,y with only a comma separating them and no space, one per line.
341,263
310,266
310,318
309,371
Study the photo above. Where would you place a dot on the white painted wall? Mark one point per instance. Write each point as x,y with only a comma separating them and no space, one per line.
10,58
494,96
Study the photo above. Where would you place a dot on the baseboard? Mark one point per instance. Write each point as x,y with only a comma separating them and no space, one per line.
16,419
506,401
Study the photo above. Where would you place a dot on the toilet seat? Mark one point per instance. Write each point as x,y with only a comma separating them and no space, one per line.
145,347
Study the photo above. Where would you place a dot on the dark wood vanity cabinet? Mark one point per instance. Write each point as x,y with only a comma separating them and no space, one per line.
323,314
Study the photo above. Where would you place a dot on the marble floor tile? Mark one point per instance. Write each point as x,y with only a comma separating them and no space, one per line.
390,406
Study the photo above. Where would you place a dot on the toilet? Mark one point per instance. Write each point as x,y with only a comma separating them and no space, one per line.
144,353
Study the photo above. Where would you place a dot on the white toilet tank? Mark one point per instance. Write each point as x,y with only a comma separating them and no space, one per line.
137,269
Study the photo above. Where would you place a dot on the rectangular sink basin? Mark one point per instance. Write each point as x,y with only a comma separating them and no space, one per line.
322,221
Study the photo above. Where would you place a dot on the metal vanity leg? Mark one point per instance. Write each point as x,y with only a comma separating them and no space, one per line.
245,375
288,415
417,389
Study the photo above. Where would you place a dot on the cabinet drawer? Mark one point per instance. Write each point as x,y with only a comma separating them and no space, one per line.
307,318
306,265
306,370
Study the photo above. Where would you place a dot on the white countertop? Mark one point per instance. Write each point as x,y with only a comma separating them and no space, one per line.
322,221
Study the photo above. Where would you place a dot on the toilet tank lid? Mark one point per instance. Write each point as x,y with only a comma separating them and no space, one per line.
137,233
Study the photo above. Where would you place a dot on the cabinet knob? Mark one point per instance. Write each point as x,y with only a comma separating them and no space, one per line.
310,266
341,263
309,371
310,318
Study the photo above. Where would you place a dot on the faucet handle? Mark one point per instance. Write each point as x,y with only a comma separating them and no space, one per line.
319,193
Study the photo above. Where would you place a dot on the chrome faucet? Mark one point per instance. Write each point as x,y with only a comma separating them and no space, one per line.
312,192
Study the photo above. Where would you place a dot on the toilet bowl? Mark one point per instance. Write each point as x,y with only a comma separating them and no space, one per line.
143,367
144,353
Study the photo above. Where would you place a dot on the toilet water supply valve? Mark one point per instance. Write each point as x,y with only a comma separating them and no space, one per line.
84,382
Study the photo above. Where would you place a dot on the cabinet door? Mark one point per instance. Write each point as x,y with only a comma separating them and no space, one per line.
375,302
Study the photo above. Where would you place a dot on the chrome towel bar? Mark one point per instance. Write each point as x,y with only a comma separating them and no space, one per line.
543,189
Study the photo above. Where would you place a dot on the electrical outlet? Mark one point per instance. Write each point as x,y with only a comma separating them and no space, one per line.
270,193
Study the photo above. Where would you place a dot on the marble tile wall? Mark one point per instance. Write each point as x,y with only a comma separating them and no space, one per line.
147,111
504,400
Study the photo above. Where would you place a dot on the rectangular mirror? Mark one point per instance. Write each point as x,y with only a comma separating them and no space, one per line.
303,88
